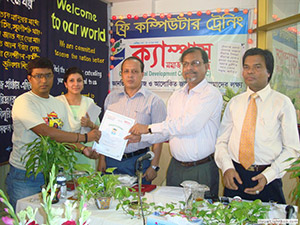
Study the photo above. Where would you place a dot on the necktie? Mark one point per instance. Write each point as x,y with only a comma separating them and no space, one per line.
246,152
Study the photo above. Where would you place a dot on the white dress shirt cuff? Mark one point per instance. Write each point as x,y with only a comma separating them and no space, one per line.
154,138
269,174
156,127
227,165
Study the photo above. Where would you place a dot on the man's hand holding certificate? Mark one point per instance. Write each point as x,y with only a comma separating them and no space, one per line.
114,127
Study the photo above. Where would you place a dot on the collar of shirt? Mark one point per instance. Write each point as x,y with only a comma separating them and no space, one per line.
141,91
39,97
199,88
262,94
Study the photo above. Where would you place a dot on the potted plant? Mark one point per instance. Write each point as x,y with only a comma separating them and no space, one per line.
130,203
44,152
101,187
295,173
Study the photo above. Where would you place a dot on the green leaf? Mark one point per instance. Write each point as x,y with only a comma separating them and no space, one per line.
44,152
110,170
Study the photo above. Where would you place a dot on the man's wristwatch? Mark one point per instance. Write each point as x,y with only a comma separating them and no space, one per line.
156,168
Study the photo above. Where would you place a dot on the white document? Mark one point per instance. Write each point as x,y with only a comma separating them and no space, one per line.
94,112
114,127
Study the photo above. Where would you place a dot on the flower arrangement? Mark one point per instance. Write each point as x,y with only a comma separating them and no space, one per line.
54,216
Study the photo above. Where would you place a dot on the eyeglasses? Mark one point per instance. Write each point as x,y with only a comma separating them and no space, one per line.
40,76
194,63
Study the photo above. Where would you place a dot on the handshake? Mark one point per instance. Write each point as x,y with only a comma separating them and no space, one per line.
135,133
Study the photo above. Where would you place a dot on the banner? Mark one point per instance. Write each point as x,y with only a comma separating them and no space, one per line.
286,75
68,32
159,43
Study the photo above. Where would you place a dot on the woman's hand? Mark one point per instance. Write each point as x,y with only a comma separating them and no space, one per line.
86,122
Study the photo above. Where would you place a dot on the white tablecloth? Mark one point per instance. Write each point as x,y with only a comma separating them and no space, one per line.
98,217
110,216
163,194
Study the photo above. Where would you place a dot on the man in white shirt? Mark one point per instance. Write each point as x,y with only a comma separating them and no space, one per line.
193,119
36,113
276,135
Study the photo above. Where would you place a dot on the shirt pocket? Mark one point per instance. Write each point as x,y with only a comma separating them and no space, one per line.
267,128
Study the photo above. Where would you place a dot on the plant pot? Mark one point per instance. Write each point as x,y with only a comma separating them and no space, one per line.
103,202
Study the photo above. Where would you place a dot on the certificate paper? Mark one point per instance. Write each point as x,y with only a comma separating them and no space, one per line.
114,127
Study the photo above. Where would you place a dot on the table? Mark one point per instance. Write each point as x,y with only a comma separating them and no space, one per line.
109,216
98,217
162,194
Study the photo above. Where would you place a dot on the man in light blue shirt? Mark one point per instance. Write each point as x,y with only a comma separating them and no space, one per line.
137,102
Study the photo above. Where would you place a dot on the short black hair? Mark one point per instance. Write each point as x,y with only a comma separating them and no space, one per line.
72,70
41,62
268,56
194,49
134,58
